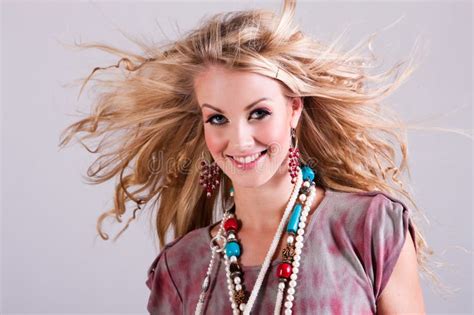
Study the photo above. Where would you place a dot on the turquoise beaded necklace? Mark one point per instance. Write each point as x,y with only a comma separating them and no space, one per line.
289,267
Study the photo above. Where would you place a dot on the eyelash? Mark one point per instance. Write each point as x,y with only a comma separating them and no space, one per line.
264,111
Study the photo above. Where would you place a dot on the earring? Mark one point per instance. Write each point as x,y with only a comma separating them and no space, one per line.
293,157
209,176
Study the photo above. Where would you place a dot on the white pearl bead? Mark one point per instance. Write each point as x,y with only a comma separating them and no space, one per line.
302,197
299,245
306,184
290,239
298,251
296,269
297,258
234,306
230,299
229,287
288,304
238,287
292,283
300,232
299,238
287,312
294,276
306,208
281,285
237,280
242,307
236,312
290,297
233,259
291,291
301,225
296,264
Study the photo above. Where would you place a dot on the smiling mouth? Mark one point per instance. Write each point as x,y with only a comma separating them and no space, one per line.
247,161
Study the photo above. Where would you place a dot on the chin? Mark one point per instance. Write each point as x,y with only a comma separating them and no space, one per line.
251,180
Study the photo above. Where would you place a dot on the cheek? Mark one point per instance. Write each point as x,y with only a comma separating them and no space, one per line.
276,136
214,140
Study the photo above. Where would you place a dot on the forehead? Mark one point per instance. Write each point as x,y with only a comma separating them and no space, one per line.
217,84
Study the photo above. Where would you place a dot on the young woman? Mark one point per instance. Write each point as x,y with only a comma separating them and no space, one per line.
271,157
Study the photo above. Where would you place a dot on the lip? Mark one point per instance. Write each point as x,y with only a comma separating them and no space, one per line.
247,166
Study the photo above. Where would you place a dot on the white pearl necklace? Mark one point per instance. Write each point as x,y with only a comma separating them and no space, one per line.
236,283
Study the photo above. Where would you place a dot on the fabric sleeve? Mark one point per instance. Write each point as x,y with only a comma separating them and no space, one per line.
164,297
387,221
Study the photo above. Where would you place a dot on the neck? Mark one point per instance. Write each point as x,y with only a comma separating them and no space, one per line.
260,209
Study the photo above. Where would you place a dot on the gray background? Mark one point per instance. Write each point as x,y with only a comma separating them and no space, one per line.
51,260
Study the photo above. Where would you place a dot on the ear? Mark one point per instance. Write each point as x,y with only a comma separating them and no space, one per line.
296,107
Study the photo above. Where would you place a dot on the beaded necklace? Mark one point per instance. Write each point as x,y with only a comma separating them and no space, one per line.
303,194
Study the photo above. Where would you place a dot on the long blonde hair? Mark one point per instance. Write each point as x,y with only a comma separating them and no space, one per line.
148,115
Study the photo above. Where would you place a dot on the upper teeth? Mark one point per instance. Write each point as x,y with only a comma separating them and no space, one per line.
247,159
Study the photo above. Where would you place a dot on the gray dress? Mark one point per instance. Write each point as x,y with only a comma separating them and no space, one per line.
351,245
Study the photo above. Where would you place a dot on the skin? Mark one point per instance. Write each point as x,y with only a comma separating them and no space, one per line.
261,194
403,294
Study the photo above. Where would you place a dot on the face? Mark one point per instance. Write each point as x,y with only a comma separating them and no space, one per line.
247,121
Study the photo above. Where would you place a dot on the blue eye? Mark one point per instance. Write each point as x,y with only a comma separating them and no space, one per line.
212,120
261,116
219,120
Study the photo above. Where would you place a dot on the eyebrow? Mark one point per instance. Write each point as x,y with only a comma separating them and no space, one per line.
246,107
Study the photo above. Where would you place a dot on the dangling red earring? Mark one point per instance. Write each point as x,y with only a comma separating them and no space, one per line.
209,176
293,157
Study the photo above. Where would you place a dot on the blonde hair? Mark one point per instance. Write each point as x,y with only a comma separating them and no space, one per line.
150,115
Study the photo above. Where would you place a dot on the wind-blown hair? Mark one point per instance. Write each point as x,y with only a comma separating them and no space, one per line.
151,128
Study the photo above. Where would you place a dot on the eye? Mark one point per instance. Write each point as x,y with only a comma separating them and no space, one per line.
219,120
212,120
263,113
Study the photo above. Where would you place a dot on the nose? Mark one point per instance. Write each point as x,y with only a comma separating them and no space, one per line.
241,138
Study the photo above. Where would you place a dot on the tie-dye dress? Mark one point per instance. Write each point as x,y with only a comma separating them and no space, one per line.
351,245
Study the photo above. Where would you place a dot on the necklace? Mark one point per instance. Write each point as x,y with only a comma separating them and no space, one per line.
303,195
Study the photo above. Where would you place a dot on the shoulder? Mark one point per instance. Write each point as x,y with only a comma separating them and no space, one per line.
374,226
364,210
364,222
165,278
179,250
173,252
362,200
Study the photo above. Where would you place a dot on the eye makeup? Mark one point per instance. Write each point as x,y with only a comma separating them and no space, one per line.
263,113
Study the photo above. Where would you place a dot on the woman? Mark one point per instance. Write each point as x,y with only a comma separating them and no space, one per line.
296,157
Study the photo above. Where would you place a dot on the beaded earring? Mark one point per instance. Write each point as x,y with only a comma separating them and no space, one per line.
293,157
209,176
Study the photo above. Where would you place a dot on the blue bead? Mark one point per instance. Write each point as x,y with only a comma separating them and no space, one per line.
308,173
232,249
294,219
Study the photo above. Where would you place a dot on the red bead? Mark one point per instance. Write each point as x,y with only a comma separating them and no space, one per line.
284,270
231,224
